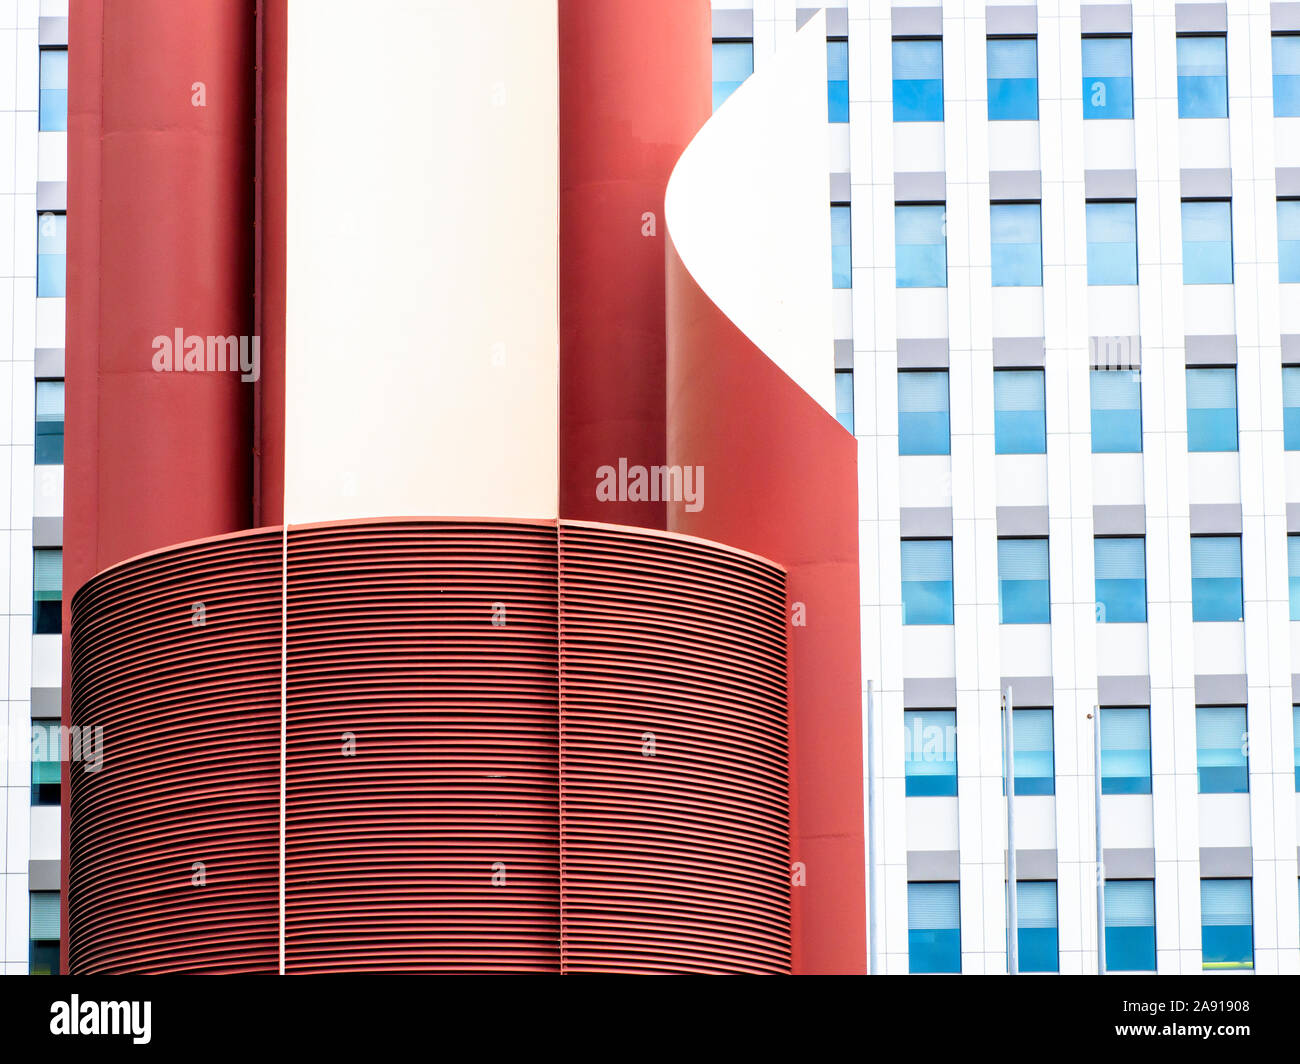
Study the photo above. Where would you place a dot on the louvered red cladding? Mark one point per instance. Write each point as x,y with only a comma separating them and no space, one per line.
435,846
431,669
191,735
673,756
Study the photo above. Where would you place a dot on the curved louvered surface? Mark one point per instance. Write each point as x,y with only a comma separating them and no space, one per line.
435,844
191,736
434,672
674,811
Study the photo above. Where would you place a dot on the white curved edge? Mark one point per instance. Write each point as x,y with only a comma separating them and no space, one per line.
748,209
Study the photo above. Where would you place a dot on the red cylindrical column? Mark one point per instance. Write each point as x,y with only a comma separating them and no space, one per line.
160,239
635,84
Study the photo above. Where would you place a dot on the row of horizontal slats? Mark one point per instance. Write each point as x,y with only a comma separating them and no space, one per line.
674,815
430,822
191,772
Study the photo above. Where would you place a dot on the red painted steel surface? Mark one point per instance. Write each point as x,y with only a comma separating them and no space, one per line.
604,860
159,239
635,87
191,737
782,476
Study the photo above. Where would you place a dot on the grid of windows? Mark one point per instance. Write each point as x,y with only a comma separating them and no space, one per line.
837,80
1227,937
1116,407
933,928
1202,76
927,581
1207,241
51,254
841,245
920,246
47,591
1035,754
1286,75
1130,925
918,80
1221,750
930,752
1107,77
1036,936
1125,750
53,117
923,412
844,398
1013,79
733,62
1023,593
1120,573
1216,578
1211,408
1112,242
1019,412
1016,231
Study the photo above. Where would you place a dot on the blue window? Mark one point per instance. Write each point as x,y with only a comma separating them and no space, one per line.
1023,594
1125,750
1034,766
933,928
1211,408
1291,407
837,80
47,764
1036,926
54,90
1116,411
1207,242
1013,79
1288,241
1017,238
1203,77
1295,738
927,581
1130,925
844,398
841,245
49,423
1286,75
923,412
1019,412
1216,578
47,591
51,253
920,246
930,752
733,62
1221,760
1112,243
1227,940
1293,573
43,929
1120,571
918,80
1107,77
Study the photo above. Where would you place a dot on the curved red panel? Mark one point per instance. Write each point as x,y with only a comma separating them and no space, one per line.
674,815
191,734
635,86
465,785
782,477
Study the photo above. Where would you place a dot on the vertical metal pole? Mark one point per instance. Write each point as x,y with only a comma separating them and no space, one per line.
1101,854
1009,782
873,958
